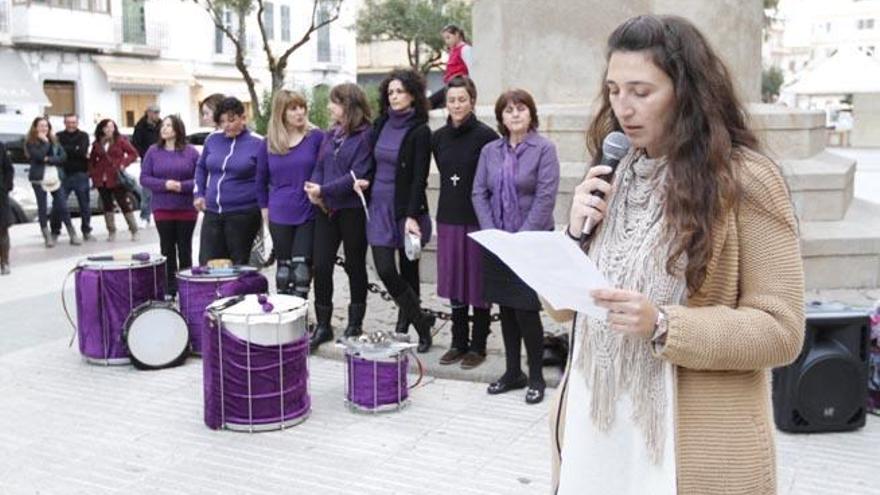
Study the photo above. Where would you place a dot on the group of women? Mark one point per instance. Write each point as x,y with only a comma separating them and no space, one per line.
362,183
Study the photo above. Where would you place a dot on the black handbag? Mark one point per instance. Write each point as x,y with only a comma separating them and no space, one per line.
555,350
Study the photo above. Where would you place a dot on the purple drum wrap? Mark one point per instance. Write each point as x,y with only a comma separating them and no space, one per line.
104,299
390,381
196,294
267,367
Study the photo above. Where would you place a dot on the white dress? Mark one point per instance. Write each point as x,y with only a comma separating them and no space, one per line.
614,461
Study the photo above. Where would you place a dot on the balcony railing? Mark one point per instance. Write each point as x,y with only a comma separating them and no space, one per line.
134,34
102,6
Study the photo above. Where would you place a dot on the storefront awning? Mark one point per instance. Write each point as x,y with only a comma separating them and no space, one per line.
143,73
226,86
17,86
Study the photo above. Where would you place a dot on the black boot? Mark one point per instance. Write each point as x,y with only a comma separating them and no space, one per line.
355,320
402,322
477,352
459,335
408,301
323,331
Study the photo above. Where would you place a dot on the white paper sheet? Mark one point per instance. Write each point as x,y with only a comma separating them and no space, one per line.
551,264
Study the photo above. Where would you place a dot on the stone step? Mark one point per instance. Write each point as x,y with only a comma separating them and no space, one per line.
844,253
821,186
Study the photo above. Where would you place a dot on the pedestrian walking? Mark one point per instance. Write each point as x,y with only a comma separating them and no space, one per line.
76,175
46,156
111,153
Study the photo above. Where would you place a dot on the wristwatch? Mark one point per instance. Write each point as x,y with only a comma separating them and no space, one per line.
661,327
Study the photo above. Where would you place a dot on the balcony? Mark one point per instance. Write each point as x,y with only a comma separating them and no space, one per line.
329,58
59,23
85,25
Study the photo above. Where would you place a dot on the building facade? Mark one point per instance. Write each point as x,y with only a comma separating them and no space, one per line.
113,58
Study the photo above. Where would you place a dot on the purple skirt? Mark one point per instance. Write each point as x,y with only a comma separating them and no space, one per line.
459,265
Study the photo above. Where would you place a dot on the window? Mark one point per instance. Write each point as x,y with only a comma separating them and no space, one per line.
4,16
62,96
133,24
269,20
219,35
133,106
285,23
323,34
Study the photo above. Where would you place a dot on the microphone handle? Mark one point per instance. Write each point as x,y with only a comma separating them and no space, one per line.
588,225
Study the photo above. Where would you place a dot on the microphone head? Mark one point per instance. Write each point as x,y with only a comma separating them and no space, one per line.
615,146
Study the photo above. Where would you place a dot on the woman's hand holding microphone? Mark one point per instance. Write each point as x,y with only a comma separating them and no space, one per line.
586,204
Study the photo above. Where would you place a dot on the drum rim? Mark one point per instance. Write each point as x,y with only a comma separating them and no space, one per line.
216,314
120,264
140,309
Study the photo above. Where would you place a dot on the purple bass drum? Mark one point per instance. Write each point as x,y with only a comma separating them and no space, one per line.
255,352
199,286
107,291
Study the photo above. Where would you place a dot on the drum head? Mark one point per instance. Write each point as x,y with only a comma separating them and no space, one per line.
157,336
120,264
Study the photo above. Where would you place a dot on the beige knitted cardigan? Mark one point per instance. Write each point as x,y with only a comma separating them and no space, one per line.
746,319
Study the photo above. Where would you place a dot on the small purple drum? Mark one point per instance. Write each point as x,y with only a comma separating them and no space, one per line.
255,363
198,287
107,291
376,376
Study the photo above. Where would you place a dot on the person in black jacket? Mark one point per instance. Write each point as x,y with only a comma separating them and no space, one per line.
44,154
6,182
76,178
456,148
398,204
146,134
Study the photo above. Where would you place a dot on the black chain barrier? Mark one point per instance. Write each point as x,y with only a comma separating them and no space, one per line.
374,288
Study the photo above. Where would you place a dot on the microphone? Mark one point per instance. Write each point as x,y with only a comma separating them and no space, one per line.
614,147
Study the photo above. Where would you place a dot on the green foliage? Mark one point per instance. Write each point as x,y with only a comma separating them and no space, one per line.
261,121
372,92
771,81
416,22
318,112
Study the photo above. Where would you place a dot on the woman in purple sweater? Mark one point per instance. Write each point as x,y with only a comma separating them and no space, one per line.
284,164
168,170
345,154
515,190
225,187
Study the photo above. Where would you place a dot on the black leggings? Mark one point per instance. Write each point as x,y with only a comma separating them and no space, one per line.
229,235
119,194
175,241
396,281
349,227
292,241
522,324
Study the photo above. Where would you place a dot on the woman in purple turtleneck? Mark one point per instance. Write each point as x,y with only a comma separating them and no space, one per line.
398,204
284,164
168,170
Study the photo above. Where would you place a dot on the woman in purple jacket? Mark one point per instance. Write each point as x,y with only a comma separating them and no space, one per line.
168,170
225,187
345,158
515,190
284,164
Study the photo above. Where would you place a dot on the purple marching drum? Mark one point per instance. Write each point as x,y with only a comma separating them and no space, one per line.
376,373
107,291
200,286
255,361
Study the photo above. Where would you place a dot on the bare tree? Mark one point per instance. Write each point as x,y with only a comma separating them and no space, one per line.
323,13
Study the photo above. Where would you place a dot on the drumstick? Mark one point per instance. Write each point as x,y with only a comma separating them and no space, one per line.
361,195
121,257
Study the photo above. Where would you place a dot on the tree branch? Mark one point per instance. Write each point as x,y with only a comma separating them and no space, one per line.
269,57
312,28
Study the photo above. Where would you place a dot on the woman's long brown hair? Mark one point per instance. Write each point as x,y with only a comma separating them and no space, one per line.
707,126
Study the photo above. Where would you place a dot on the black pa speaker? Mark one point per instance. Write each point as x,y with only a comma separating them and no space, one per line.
826,388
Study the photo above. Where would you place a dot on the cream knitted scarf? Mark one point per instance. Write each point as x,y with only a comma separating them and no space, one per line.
630,250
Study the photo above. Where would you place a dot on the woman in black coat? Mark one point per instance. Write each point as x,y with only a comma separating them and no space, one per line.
398,204
6,181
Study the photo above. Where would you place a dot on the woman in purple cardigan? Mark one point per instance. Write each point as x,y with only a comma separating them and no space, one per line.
168,171
515,191
345,158
284,164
